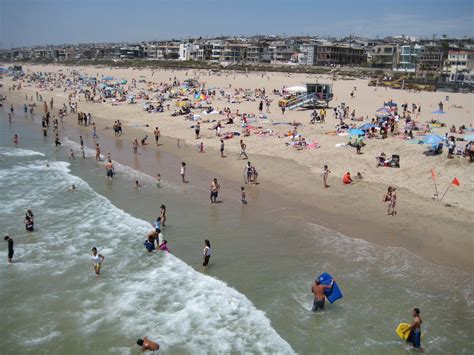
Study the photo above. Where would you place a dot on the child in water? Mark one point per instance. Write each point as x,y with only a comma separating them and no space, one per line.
158,180
97,260
243,197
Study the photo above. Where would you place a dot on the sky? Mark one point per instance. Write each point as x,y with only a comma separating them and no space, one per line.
39,22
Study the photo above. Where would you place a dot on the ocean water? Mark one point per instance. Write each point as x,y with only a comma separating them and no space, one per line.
254,298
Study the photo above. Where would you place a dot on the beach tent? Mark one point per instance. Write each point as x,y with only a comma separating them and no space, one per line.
367,126
296,89
107,78
356,132
432,139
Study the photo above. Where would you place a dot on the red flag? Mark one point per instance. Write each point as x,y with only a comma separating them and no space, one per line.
455,182
433,174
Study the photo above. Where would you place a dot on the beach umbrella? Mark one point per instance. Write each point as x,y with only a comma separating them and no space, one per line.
432,139
367,126
107,78
356,132
439,112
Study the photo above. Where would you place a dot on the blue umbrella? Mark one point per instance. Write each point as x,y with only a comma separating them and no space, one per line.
367,126
108,78
356,132
432,139
439,112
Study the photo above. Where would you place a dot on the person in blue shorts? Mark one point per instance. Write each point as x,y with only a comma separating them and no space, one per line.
415,330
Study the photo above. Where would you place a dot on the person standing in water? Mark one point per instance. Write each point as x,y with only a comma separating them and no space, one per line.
10,248
183,172
97,152
158,180
415,330
147,344
319,297
157,135
109,170
163,215
215,187
206,253
135,146
97,260
243,197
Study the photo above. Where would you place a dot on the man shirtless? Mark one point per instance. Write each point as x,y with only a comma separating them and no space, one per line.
109,170
415,330
319,297
147,344
215,187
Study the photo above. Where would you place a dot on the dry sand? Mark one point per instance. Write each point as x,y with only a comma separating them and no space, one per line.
428,228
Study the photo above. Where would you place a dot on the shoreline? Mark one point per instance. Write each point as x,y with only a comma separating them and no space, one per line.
430,230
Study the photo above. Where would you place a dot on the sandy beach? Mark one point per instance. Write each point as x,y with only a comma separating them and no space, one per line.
437,231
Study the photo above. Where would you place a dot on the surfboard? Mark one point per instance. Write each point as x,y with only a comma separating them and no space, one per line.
402,327
333,293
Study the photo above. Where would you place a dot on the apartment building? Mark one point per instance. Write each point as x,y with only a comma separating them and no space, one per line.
339,54
384,55
431,58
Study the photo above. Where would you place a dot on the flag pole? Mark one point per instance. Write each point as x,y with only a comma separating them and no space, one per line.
446,191
433,176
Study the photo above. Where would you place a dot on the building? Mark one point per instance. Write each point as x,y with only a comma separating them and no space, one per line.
384,56
258,53
408,56
339,54
281,52
131,52
459,61
234,52
431,58
308,52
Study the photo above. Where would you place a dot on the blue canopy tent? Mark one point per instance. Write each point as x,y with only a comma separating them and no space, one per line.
432,139
356,132
437,113
367,126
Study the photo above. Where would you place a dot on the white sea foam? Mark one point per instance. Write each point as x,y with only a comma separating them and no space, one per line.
18,152
137,294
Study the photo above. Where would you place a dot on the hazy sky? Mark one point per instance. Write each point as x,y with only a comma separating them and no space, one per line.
29,22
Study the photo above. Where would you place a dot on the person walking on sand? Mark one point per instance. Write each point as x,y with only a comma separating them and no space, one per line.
197,130
243,146
157,135
319,297
97,260
415,330
10,248
393,201
215,187
326,173
206,253
222,148
183,172
135,146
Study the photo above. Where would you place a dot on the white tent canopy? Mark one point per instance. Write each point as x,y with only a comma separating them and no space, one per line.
296,89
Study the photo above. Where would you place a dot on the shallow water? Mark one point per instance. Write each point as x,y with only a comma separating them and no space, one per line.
267,258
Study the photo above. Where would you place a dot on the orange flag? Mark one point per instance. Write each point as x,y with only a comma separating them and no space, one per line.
433,174
455,182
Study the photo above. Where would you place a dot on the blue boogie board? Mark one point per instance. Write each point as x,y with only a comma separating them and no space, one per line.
333,293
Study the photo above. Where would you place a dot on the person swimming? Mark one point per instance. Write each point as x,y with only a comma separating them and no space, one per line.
97,260
147,344
29,224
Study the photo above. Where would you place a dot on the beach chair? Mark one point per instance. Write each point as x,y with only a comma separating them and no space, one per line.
435,149
395,161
